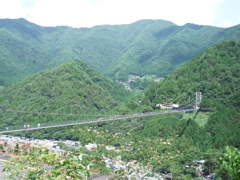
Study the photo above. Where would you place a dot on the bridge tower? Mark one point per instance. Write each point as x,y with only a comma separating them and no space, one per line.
198,99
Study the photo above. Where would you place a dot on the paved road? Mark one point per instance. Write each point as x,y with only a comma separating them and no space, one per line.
3,157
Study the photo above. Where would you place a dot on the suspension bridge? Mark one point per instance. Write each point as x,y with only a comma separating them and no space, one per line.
97,120
103,119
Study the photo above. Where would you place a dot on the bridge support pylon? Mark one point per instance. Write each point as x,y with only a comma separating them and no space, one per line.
198,99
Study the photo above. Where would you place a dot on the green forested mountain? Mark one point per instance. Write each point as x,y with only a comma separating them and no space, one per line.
144,47
215,73
71,88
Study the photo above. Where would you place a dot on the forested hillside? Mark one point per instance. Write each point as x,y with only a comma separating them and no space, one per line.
215,73
144,47
71,88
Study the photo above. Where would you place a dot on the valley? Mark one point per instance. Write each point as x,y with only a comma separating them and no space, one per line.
62,83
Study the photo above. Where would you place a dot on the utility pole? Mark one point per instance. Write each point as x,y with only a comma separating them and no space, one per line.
198,99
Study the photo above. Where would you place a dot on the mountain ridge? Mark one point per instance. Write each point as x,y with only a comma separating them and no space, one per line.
144,47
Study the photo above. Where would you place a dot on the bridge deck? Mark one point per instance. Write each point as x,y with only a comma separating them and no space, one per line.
117,117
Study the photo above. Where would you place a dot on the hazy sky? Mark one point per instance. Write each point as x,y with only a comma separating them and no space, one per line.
88,13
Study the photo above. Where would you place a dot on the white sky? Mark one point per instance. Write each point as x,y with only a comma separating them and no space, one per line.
88,13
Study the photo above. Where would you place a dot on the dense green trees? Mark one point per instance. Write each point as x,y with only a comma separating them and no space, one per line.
74,91
153,47
72,88
215,73
231,160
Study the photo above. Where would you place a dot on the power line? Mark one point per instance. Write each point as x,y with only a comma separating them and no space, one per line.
60,114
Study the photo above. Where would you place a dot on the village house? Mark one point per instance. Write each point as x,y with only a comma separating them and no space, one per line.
167,106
